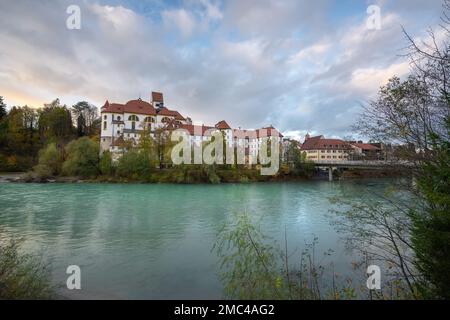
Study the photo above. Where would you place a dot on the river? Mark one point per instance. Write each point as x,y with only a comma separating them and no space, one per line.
154,241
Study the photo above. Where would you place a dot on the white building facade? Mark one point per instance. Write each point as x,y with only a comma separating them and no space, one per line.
124,124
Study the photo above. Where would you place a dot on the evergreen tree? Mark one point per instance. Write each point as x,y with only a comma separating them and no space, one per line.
431,236
3,111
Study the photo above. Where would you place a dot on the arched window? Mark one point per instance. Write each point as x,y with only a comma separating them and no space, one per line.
119,118
105,117
133,118
165,119
149,120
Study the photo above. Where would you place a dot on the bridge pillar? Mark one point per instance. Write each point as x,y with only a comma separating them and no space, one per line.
330,174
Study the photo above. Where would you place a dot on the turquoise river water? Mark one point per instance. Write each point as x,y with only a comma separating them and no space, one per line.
154,241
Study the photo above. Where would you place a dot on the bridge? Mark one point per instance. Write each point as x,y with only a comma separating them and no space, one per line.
362,164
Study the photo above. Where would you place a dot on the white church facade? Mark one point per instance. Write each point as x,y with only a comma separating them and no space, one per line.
124,124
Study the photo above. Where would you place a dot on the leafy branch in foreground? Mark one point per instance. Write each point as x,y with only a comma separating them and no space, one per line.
380,231
252,268
22,276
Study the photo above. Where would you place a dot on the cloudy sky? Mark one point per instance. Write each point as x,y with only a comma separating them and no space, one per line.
301,65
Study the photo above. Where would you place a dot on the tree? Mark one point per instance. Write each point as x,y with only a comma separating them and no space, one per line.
406,113
55,122
431,232
297,161
82,158
106,165
3,111
416,113
50,161
85,115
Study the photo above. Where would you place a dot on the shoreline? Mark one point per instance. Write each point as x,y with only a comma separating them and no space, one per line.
354,174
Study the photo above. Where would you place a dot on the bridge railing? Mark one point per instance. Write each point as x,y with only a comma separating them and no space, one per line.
374,163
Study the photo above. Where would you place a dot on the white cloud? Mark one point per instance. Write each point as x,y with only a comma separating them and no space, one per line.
182,19
368,80
252,63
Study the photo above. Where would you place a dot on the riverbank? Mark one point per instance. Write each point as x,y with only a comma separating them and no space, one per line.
200,177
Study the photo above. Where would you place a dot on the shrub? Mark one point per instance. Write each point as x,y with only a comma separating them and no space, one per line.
49,161
136,165
105,165
82,158
22,276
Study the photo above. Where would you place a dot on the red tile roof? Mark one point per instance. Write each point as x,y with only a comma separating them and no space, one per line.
178,116
132,106
366,146
320,143
193,129
222,125
139,107
268,132
118,142
165,112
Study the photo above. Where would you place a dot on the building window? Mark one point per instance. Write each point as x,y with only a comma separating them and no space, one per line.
119,118
105,117
104,125
133,118
149,120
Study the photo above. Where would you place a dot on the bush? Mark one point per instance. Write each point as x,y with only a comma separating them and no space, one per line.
22,276
135,165
82,158
49,161
105,165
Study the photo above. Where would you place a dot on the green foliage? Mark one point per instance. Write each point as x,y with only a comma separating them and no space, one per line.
106,165
22,276
85,115
249,269
3,111
303,167
431,236
82,158
254,267
378,228
50,161
136,165
55,122
213,178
